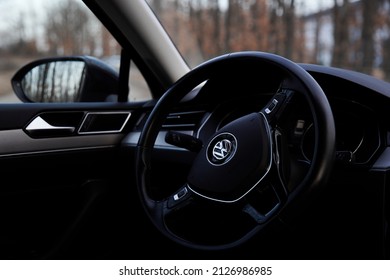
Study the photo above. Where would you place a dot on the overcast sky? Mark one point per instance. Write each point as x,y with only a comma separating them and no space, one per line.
315,5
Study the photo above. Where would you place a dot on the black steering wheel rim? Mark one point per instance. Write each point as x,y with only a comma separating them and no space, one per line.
323,122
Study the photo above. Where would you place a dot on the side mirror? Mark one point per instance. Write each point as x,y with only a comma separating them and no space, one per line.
66,79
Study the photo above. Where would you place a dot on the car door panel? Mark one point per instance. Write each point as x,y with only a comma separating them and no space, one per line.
53,185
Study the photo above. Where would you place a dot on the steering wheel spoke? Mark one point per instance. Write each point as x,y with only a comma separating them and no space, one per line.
278,174
267,198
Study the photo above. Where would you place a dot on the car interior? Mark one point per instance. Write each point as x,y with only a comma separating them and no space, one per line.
248,155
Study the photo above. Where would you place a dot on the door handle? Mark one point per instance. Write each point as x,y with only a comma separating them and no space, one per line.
39,127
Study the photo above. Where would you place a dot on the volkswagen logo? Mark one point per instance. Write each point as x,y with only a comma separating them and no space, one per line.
221,148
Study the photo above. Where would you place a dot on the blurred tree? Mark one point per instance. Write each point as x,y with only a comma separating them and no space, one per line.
284,30
289,19
246,24
205,19
345,35
200,24
385,24
68,31
260,24
19,41
216,15
341,25
231,22
386,59
369,28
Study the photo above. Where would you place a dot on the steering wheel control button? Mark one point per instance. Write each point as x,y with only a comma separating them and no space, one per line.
271,107
221,149
178,197
274,108
180,194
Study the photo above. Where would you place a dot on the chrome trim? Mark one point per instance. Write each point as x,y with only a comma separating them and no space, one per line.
360,144
174,115
132,138
204,123
40,124
18,142
179,115
307,160
104,131
230,155
178,125
56,151
223,149
277,158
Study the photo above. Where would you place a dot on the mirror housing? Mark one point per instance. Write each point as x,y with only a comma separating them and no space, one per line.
66,79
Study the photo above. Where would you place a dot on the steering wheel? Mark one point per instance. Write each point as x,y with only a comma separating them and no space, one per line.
237,184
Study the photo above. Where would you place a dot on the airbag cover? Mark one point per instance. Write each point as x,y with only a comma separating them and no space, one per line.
234,161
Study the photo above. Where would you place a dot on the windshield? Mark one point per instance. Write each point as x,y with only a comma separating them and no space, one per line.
340,33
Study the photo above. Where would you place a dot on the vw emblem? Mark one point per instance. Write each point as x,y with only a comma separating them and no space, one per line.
221,148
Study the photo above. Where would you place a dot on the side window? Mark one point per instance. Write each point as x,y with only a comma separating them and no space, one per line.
139,90
40,29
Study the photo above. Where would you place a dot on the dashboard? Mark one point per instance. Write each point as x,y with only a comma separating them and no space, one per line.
360,108
359,112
